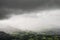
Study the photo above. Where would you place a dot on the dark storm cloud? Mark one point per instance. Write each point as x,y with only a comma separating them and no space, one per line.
22,4
25,5
3,13
28,4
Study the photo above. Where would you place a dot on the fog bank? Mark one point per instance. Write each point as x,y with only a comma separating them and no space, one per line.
33,21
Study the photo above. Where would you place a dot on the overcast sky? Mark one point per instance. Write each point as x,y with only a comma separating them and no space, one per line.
36,15
8,6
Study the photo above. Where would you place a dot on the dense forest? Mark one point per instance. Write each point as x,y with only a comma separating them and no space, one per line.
28,36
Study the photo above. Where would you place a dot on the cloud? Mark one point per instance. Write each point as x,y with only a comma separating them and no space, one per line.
6,13
8,6
28,4
39,21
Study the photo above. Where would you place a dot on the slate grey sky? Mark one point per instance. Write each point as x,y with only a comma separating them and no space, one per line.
34,15
28,4
25,5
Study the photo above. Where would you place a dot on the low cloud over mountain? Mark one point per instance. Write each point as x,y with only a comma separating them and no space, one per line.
34,15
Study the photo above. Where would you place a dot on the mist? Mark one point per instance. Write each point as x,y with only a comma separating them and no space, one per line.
40,20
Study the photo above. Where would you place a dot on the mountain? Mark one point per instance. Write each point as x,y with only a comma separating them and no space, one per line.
55,31
9,29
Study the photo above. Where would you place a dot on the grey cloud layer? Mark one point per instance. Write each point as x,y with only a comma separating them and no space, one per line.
28,4
25,5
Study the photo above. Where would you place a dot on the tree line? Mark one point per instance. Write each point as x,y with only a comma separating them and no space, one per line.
27,36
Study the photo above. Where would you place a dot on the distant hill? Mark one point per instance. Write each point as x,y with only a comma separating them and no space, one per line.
55,31
9,29
5,36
